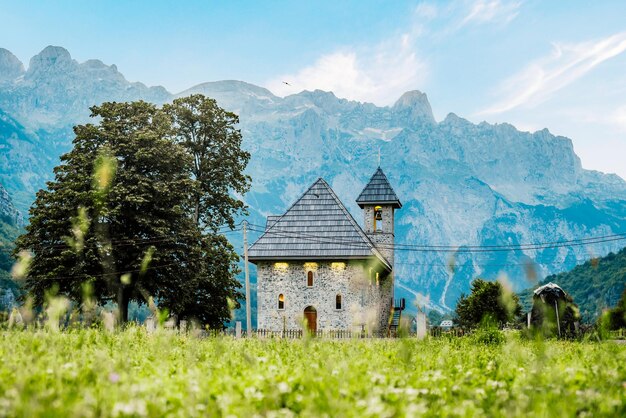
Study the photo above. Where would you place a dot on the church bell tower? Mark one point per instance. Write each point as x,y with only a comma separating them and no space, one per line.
379,202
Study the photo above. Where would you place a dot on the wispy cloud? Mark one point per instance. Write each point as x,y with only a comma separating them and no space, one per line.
448,18
490,11
618,118
541,79
427,11
378,74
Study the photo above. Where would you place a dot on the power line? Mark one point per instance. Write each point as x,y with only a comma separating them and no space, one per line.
455,265
444,249
116,273
451,247
125,242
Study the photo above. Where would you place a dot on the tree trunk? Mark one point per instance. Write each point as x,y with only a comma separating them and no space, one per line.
122,303
196,215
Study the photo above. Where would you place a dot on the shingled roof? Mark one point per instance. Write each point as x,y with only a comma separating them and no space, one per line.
316,227
378,190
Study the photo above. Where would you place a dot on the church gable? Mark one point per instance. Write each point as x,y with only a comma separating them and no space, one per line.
316,226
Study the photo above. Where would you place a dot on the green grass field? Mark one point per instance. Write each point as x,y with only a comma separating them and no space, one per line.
133,373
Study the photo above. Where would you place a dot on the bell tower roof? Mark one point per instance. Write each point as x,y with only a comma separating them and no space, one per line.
378,191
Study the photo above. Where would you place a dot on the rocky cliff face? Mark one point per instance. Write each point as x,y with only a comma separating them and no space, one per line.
26,160
10,66
11,223
460,183
8,213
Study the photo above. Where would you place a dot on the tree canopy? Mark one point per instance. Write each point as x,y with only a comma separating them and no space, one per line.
488,301
617,315
121,217
209,135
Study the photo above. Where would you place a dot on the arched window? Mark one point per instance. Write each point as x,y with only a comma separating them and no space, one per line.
378,218
338,302
309,278
281,301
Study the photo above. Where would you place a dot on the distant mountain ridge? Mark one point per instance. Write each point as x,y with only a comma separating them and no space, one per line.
460,183
56,91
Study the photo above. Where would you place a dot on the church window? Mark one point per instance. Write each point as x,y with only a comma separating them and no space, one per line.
338,302
309,278
378,218
281,301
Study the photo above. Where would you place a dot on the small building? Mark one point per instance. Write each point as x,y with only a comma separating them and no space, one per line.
554,311
446,324
316,267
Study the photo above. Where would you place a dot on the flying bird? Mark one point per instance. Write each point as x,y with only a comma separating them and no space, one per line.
284,82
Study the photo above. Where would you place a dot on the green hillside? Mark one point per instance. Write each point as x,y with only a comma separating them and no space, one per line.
594,285
8,288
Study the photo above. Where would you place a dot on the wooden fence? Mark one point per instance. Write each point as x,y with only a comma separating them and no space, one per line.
443,332
287,334
328,334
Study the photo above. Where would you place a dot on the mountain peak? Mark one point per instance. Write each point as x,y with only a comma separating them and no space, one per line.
10,66
455,120
51,57
53,54
412,97
228,88
317,93
415,104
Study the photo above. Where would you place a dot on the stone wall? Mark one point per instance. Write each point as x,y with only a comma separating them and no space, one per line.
365,301
384,239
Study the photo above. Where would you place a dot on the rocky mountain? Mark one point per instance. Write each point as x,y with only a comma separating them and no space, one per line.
10,66
11,222
26,160
8,213
461,183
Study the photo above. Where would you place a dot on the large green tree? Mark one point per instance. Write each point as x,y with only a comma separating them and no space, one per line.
119,216
210,136
488,301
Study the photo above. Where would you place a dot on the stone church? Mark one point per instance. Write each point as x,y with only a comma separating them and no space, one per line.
317,268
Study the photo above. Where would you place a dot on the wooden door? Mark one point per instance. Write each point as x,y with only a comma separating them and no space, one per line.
310,316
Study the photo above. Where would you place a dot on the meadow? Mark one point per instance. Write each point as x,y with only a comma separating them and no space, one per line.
92,372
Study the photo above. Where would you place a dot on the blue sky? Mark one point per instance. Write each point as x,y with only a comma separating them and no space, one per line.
535,64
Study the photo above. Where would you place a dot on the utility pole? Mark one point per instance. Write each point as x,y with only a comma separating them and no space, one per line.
245,257
558,322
